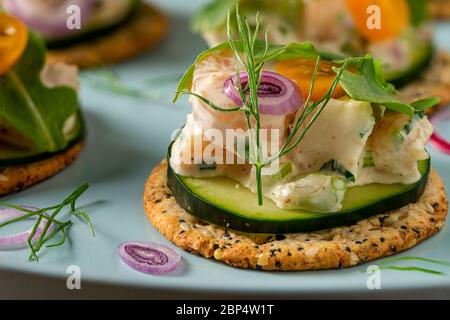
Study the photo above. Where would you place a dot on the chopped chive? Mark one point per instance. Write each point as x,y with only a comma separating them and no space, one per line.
368,161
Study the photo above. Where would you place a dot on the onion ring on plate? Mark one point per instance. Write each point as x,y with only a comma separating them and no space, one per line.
19,240
149,257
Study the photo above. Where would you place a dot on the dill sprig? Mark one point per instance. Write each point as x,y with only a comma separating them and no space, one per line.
43,216
247,55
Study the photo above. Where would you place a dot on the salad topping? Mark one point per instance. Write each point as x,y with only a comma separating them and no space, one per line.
349,131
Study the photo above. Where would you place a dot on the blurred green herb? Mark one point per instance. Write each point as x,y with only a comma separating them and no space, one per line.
107,80
383,266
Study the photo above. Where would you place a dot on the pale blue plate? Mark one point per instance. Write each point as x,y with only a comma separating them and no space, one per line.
128,136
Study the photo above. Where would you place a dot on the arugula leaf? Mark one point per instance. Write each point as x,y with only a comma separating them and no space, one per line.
369,85
423,104
35,111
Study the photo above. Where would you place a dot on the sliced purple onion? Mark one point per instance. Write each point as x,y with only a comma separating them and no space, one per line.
52,23
19,240
277,95
149,257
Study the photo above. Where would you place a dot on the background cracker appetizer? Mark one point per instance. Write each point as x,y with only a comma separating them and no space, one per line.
354,181
111,30
41,128
403,43
439,9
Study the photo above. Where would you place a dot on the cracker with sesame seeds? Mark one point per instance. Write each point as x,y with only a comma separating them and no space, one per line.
138,35
17,178
377,237
434,81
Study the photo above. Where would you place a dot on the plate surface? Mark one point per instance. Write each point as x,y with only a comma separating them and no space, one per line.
128,135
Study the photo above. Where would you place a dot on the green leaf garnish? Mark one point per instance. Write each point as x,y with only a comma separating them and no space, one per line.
368,85
61,227
426,103
38,113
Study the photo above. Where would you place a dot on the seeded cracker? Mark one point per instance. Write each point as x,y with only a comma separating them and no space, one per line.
373,238
17,178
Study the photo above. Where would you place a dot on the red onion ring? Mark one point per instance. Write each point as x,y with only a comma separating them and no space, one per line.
19,240
277,95
54,23
149,257
437,140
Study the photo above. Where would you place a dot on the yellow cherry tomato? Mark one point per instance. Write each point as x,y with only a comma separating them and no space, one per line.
379,20
13,41
301,71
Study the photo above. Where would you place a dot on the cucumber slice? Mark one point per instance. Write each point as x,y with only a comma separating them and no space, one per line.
421,59
224,202
13,156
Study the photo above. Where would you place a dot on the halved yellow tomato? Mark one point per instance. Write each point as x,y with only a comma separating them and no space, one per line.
13,41
301,71
379,20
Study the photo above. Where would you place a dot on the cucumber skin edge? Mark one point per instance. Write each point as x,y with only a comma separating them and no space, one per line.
210,213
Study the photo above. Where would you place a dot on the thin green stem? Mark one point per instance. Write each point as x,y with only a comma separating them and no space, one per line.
410,258
425,270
